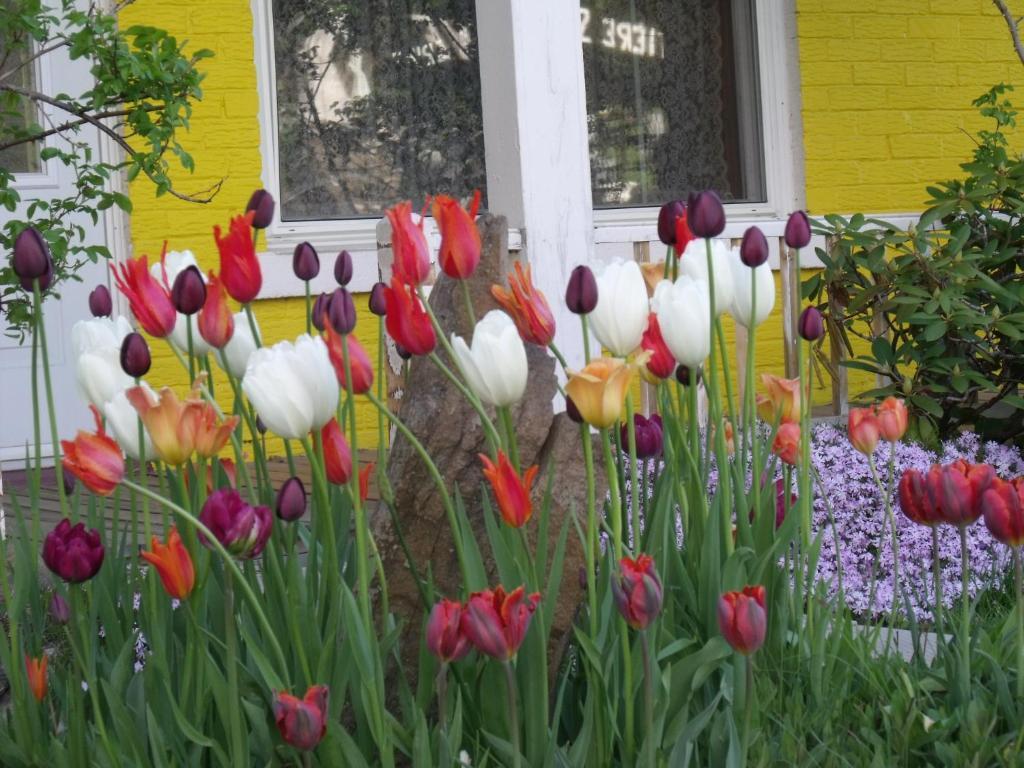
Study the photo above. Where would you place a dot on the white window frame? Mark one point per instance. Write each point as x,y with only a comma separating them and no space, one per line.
47,177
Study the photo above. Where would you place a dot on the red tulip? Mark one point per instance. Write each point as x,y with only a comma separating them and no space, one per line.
94,458
239,267
337,454
445,638
149,299
73,552
527,307
956,490
1003,507
915,501
35,671
511,491
411,263
496,622
638,592
242,529
358,360
302,722
787,443
862,428
364,481
684,235
460,239
174,564
742,619
660,364
892,419
407,321
216,322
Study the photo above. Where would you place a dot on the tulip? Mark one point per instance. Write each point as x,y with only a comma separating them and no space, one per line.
572,411
782,403
60,611
683,310
174,564
729,435
1002,505
445,638
684,235
649,435
364,481
343,268
149,299
302,723
495,365
100,303
69,483
94,348
358,360
667,218
378,303
212,434
261,205
599,391
892,419
527,307
179,429
123,421
403,353
318,313
239,267
798,230
216,323
172,266
862,428
747,308
660,364
305,262
35,672
234,356
654,273
407,322
754,247
460,239
496,623
787,443
134,356
637,591
292,386
915,501
705,214
337,454
73,552
683,375
188,294
742,619
780,502
242,530
956,490
411,263
511,491
341,311
290,504
581,293
810,325
31,257
694,264
620,317
94,458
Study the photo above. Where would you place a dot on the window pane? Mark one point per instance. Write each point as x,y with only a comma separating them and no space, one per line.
672,100
17,114
376,102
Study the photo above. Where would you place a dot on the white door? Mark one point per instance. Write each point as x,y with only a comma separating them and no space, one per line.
54,73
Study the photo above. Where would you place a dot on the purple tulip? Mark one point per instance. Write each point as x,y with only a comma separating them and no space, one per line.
305,262
649,435
31,255
291,500
341,313
798,230
667,218
810,325
572,411
705,214
45,279
135,357
343,268
262,202
320,307
59,609
73,552
754,247
100,303
188,294
242,529
581,293
683,375
378,299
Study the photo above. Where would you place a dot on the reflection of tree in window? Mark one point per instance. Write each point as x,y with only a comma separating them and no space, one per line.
17,114
376,102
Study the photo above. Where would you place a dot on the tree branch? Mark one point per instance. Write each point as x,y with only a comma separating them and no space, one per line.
1012,23
74,124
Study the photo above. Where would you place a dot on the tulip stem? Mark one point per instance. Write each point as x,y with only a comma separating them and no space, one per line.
252,324
38,447
965,617
493,438
505,415
309,310
586,338
441,682
613,492
559,357
58,467
649,745
470,313
886,493
513,712
748,707
191,349
592,529
715,408
633,474
239,752
937,609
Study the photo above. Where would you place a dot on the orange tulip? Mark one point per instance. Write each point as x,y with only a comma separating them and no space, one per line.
730,439
94,458
527,307
35,670
460,239
239,267
787,443
174,564
216,323
599,390
178,428
511,491
782,403
358,360
862,427
653,274
211,433
892,419
411,263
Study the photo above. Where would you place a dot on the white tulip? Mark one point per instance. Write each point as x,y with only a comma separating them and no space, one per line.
495,366
620,317
694,263
123,422
176,262
234,357
292,386
741,300
88,335
684,315
96,346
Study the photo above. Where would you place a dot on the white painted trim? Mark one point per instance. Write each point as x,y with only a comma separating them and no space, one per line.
49,177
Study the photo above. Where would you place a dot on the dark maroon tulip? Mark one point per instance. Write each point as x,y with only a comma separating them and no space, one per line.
73,552
403,353
242,529
44,279
683,375
572,411
31,255
343,268
811,325
649,437
69,483
291,500
341,312
262,202
379,299
188,294
754,248
260,426
320,307
667,218
59,609
135,358
305,262
798,230
100,303
705,214
581,293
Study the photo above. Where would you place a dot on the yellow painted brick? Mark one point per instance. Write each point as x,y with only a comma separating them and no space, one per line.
956,7
878,73
917,145
880,27
833,73
926,73
829,25
983,28
857,50
906,50
939,27
915,97
855,147
860,97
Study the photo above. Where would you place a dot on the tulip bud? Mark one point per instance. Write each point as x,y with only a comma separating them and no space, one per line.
649,438
260,426
637,591
667,218
262,202
892,419
705,214
572,411
135,359
341,313
754,248
403,353
798,230
100,303
188,294
343,269
305,262
862,427
69,483
742,619
31,255
59,609
44,279
291,500
379,300
320,306
683,375
496,622
811,326
445,638
581,293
